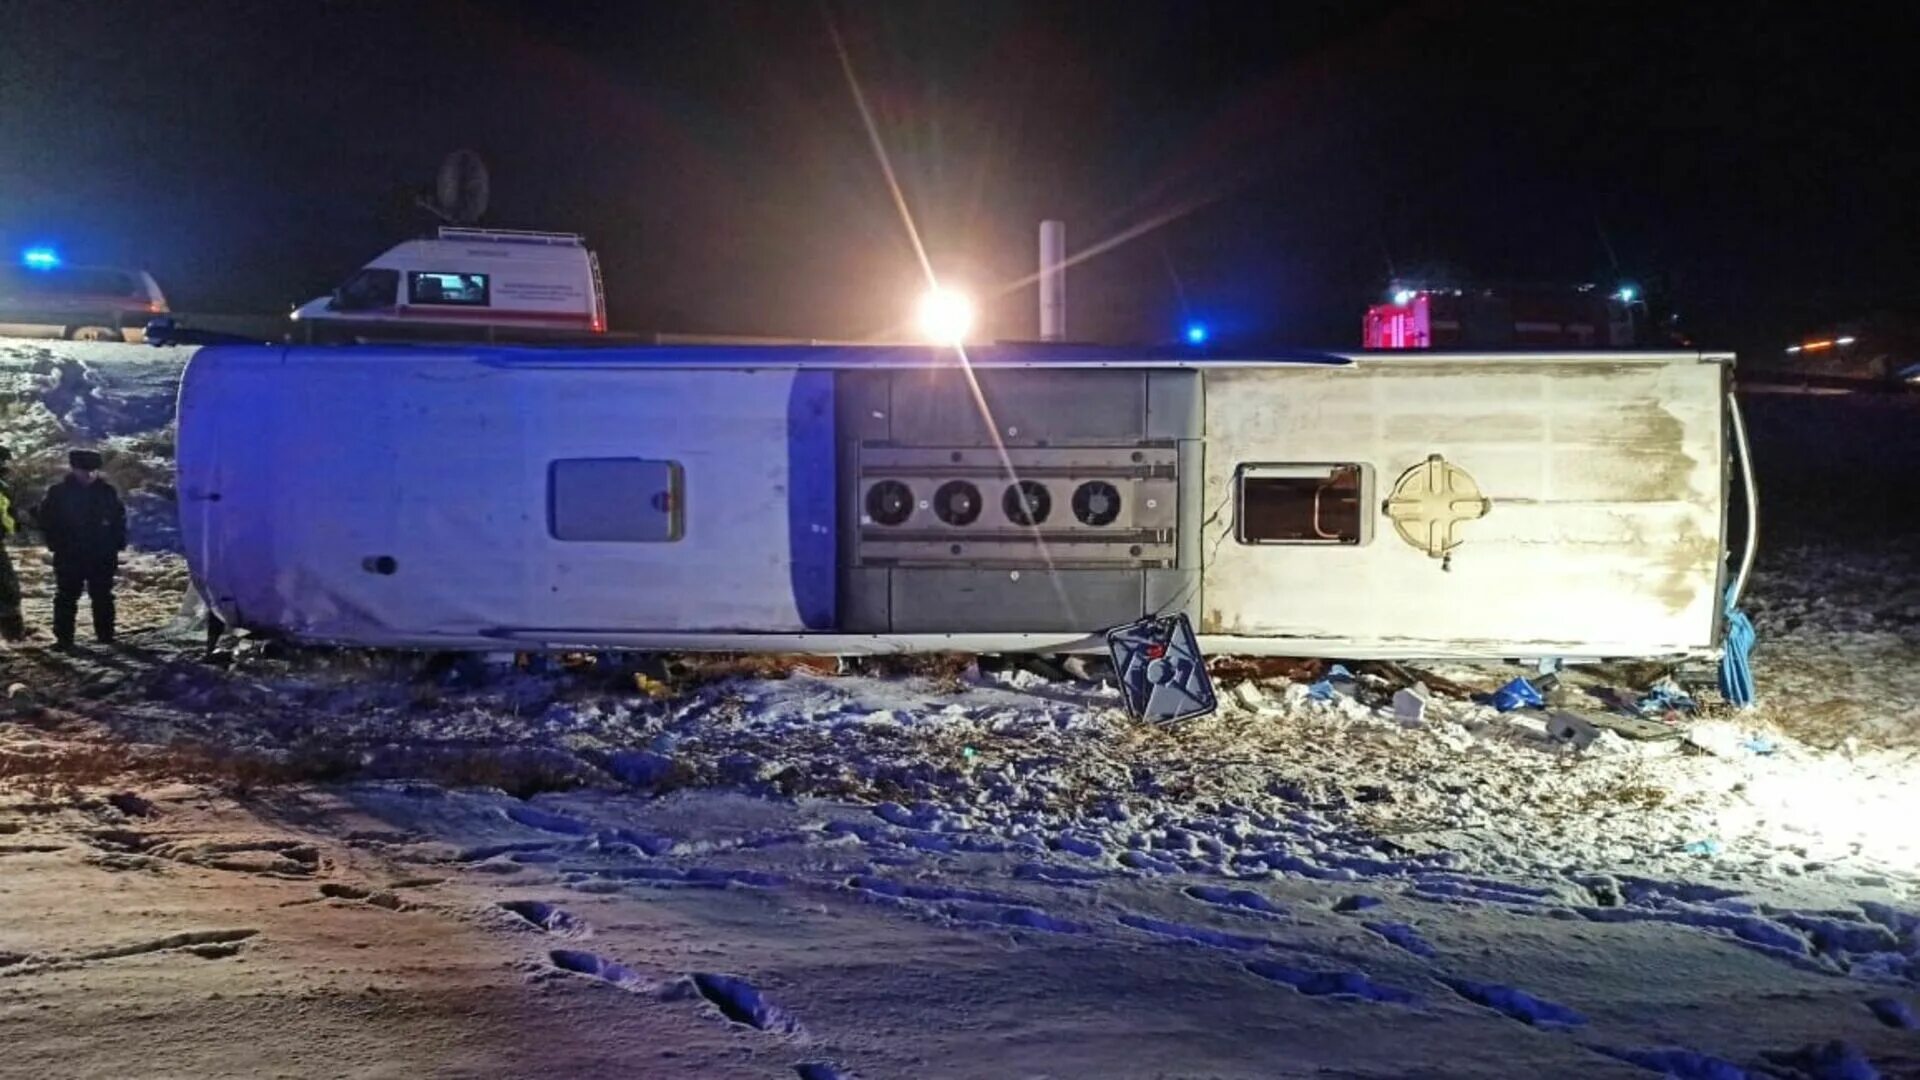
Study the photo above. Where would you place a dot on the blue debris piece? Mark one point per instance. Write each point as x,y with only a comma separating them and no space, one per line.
1736,669
1324,689
1708,846
1518,694
1163,677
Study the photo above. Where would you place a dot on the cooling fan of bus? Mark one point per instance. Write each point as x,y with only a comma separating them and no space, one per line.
1096,503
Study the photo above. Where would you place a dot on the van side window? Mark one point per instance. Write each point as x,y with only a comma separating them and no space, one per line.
436,287
614,500
85,281
1303,504
368,290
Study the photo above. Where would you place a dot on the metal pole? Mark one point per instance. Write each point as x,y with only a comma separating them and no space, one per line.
1753,498
1053,281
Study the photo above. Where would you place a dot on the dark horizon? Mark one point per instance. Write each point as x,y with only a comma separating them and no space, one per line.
1749,165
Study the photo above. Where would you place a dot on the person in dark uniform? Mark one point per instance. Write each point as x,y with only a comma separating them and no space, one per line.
12,626
85,526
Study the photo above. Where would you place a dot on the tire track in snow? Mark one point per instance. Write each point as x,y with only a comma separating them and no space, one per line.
1236,900
1403,936
545,917
695,877
205,944
595,966
736,999
1514,1004
743,1003
1352,984
1677,1063
1894,1013
335,890
1199,935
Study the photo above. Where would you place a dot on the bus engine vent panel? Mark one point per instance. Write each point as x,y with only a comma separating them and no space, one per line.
1069,503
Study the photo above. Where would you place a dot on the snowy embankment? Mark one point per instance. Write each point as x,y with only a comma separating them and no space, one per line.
117,398
56,395
957,871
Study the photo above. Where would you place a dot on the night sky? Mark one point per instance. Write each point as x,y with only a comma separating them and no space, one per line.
1756,165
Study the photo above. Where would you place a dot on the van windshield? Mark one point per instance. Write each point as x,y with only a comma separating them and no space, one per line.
368,290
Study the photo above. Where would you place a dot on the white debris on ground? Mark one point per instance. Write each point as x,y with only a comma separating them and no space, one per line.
763,868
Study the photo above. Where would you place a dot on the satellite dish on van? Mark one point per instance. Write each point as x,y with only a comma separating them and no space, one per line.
461,191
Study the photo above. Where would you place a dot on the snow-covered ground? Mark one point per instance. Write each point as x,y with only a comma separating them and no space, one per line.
357,864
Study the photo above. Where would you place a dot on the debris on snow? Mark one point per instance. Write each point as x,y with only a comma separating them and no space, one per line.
1665,698
1518,694
1410,704
1720,738
1571,729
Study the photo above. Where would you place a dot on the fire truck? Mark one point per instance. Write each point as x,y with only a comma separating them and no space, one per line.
1506,317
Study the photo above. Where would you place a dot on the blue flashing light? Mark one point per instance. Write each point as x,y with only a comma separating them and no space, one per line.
1627,294
1403,297
40,258
1196,333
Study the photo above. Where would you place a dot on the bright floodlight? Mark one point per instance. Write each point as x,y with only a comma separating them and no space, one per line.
1403,297
946,317
1843,341
1626,294
40,258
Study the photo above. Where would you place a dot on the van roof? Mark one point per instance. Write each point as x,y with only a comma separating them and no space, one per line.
512,236
464,252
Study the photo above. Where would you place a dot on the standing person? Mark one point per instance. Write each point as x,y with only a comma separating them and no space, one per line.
12,626
86,529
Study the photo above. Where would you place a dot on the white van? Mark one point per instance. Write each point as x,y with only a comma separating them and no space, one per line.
467,284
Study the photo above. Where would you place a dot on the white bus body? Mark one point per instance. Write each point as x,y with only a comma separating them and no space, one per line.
850,499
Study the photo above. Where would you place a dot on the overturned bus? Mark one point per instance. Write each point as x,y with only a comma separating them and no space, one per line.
1027,498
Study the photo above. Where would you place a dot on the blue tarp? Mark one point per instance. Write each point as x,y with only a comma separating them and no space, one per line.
1736,671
